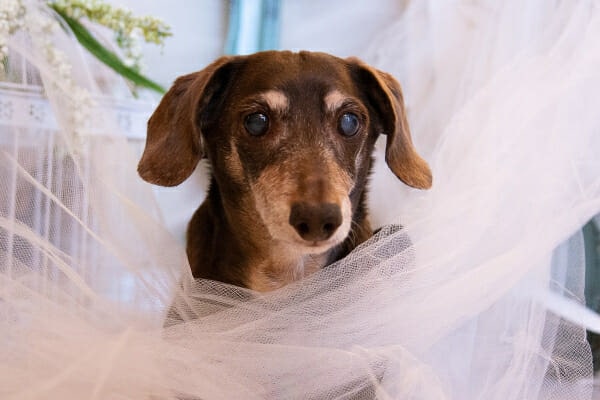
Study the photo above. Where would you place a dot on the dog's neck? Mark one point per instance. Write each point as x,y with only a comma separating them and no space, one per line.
235,247
282,266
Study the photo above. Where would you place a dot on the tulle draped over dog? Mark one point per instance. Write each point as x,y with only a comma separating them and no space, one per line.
471,290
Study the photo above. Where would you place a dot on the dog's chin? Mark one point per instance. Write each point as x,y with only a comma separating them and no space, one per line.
308,247
316,247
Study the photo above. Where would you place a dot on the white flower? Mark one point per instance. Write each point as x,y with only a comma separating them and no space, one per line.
136,34
11,19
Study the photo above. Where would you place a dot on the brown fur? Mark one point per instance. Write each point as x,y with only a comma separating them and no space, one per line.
250,230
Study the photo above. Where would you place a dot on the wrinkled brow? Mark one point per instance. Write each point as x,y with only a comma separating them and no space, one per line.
334,100
276,100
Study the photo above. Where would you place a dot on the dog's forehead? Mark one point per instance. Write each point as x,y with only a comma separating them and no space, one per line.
294,74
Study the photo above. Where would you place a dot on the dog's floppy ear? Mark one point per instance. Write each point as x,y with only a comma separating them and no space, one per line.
385,95
173,142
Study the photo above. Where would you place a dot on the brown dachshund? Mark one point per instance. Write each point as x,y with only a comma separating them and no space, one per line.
289,138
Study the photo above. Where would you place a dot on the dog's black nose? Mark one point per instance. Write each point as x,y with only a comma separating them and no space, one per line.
315,222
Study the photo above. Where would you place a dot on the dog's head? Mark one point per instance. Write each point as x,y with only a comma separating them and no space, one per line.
289,134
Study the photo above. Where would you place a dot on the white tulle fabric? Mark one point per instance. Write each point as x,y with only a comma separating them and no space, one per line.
475,297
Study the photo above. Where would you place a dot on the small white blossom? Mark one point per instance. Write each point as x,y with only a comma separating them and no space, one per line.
12,13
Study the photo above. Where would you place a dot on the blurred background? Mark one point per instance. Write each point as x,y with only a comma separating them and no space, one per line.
204,30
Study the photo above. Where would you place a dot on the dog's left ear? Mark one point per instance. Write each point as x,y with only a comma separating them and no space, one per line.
385,95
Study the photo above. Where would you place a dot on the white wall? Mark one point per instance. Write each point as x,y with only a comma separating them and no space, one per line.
341,27
199,27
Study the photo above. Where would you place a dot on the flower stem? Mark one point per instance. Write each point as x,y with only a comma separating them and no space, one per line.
106,56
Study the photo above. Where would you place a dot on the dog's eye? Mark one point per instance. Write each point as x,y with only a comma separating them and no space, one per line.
348,124
256,124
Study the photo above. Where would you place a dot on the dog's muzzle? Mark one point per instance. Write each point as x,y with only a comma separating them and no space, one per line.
315,222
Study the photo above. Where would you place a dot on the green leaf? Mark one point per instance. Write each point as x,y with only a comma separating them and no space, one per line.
106,56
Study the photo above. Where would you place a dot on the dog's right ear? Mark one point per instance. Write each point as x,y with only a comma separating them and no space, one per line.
401,156
173,142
